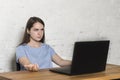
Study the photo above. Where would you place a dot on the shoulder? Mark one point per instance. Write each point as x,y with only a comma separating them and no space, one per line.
21,46
49,49
46,45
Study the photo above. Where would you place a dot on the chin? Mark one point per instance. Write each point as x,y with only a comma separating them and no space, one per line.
38,40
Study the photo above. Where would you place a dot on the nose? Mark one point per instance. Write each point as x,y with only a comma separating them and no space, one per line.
39,32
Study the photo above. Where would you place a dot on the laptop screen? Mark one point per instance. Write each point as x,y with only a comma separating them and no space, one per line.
89,56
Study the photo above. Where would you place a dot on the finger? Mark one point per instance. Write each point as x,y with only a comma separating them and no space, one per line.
35,67
26,67
30,67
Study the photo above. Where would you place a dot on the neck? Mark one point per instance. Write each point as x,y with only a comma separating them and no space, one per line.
34,44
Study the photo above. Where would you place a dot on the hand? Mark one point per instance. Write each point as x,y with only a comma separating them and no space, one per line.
32,67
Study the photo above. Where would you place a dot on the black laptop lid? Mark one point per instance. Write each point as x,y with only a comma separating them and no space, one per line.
89,56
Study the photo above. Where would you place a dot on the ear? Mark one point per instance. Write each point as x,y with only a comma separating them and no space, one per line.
28,31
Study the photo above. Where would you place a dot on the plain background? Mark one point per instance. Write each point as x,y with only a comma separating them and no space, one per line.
66,21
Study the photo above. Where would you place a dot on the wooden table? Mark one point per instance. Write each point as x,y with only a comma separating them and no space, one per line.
112,72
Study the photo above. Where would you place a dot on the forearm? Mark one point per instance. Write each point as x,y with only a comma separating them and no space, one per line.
27,64
59,61
65,63
24,61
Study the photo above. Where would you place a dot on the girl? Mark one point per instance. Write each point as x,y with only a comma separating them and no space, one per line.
33,54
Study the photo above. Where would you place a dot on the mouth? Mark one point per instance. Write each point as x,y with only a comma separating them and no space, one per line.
39,37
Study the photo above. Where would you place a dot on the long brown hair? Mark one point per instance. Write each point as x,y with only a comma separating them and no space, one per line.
29,25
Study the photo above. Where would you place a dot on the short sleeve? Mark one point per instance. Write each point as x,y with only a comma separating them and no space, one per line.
51,51
19,53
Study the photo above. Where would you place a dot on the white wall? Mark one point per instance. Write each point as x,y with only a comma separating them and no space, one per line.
66,21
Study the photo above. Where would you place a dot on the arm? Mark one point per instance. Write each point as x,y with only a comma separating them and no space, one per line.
59,61
27,64
24,61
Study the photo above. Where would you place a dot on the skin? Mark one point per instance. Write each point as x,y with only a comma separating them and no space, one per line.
36,34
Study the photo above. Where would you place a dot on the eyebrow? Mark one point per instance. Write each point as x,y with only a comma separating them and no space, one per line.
38,29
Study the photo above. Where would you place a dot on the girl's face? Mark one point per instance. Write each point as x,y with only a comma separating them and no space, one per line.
36,32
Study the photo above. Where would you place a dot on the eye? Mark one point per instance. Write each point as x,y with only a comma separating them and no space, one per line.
42,29
36,29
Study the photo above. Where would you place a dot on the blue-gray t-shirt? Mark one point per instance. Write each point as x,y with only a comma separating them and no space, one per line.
41,55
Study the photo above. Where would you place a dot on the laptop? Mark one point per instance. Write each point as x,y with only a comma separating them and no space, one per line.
88,57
